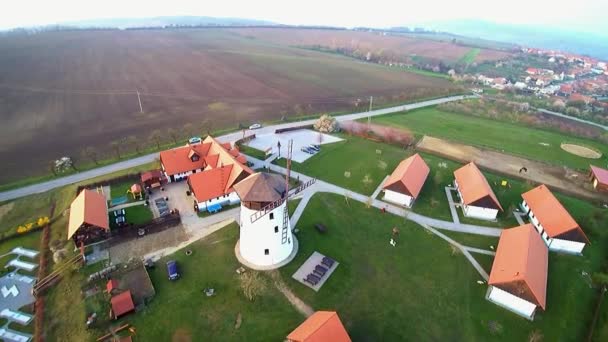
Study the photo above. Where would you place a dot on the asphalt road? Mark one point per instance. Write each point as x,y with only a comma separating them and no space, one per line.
126,164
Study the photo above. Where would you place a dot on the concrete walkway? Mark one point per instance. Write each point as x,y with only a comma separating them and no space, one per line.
379,188
232,137
519,217
448,194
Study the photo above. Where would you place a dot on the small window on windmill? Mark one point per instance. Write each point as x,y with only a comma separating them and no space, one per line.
276,229
271,217
266,251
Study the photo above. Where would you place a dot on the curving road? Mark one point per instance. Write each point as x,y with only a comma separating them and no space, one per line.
126,164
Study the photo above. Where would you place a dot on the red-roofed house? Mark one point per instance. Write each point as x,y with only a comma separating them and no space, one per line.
322,326
476,196
89,221
599,178
122,304
405,183
112,285
532,71
179,163
552,221
518,280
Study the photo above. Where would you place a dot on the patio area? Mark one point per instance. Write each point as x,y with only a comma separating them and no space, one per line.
301,138
309,267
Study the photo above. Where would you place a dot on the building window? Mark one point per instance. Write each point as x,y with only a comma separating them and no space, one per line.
276,229
272,216
266,251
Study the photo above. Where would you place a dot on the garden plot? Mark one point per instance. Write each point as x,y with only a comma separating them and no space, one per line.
301,138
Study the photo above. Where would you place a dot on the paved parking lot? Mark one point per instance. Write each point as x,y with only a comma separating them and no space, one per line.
301,138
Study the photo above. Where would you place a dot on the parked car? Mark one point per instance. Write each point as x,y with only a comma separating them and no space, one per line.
195,140
315,147
255,126
307,150
172,270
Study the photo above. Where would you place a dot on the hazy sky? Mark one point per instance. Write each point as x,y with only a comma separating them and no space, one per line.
580,15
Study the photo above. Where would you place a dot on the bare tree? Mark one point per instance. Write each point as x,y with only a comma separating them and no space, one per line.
52,167
188,128
205,126
116,147
172,132
90,153
156,136
133,141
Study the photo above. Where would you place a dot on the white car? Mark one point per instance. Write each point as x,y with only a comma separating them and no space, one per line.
255,126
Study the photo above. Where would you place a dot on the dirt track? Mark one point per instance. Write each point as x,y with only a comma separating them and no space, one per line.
559,178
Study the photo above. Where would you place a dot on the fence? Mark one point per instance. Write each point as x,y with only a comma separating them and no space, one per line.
244,140
283,130
155,226
135,177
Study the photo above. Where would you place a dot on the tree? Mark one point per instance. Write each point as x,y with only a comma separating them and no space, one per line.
133,141
90,153
172,132
116,147
205,126
52,164
326,124
156,136
188,128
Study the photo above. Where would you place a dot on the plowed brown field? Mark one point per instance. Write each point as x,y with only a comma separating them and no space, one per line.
62,91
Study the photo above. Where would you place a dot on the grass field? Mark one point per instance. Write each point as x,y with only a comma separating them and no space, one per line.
470,56
423,283
252,152
209,78
269,317
510,138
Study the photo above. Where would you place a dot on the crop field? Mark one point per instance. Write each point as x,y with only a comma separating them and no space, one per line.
394,47
63,91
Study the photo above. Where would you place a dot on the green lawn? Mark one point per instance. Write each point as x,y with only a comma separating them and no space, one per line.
427,73
473,240
121,189
139,214
346,163
421,290
180,311
469,57
252,152
497,135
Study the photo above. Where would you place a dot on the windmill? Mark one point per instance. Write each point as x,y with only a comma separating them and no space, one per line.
268,208
266,239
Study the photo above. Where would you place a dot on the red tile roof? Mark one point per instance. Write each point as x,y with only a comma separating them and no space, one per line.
474,187
89,207
551,214
149,175
111,285
409,176
600,174
122,304
177,160
521,263
210,183
322,326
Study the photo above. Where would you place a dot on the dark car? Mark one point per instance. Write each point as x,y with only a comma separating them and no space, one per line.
316,148
172,270
308,150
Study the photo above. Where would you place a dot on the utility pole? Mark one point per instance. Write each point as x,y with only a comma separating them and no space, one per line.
371,102
141,109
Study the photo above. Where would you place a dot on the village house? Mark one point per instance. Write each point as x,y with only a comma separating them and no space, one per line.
320,327
179,163
212,169
404,184
151,179
476,196
89,221
552,221
599,178
518,279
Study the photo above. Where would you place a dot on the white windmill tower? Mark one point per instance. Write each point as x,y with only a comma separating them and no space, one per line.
266,240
